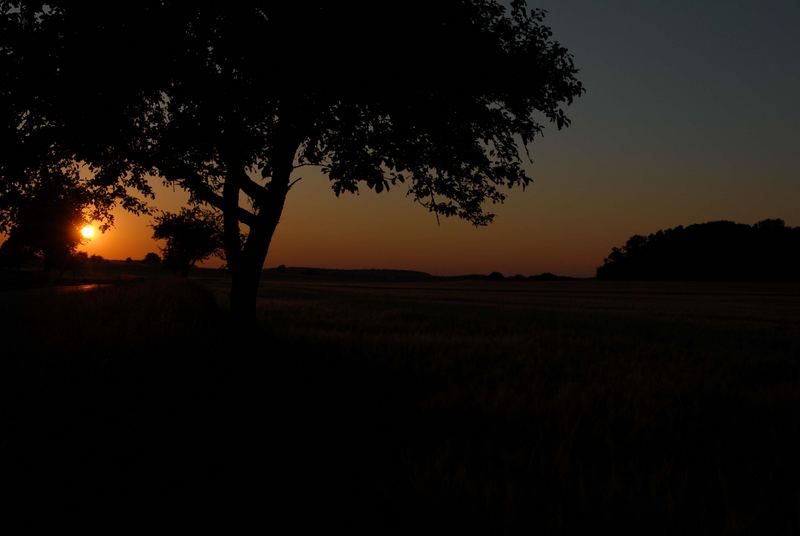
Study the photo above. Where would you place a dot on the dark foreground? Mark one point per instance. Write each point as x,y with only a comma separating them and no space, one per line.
473,407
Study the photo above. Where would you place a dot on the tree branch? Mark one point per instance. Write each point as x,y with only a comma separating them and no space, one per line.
193,182
255,191
230,222
205,194
306,164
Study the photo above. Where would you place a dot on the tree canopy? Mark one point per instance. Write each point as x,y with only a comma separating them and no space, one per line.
719,250
57,116
230,100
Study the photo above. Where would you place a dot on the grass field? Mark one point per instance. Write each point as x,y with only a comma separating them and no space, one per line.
472,406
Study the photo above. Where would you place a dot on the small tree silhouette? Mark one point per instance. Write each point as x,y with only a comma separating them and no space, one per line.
192,235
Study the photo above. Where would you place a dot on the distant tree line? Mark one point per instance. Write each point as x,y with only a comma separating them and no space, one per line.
719,250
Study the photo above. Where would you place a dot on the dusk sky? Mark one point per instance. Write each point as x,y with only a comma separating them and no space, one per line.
690,115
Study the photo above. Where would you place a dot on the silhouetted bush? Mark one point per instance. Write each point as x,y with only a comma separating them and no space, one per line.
152,258
720,250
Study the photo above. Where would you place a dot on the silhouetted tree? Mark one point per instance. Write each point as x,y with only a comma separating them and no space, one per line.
720,250
231,100
45,221
192,235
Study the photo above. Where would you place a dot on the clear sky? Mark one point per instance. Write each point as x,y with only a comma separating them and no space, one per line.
690,115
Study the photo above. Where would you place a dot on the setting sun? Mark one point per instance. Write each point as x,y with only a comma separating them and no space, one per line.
87,231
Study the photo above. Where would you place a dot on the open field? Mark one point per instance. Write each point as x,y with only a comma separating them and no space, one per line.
471,406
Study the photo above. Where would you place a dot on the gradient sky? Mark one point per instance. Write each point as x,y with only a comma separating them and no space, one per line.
690,115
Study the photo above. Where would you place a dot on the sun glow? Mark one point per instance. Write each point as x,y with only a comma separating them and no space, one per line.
87,231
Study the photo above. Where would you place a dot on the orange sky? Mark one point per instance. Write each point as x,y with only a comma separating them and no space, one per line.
566,223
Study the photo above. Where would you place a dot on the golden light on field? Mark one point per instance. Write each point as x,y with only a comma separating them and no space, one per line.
87,231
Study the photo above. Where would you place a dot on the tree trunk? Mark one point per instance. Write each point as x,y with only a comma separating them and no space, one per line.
244,291
247,274
249,262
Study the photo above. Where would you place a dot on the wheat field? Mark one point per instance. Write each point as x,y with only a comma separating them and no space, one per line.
470,406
